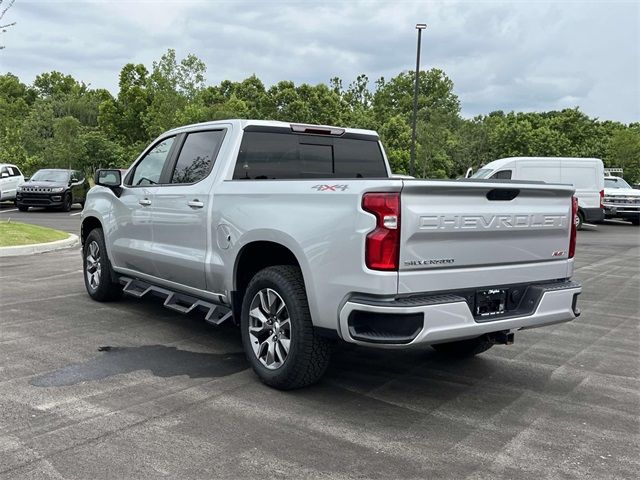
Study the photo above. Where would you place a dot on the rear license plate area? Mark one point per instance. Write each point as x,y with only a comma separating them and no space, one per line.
490,302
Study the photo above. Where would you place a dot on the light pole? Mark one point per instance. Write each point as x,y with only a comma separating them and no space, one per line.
419,27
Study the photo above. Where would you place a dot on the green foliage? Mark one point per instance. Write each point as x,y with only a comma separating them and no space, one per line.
624,151
59,121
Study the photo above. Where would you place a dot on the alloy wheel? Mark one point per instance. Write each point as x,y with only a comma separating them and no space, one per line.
93,267
269,328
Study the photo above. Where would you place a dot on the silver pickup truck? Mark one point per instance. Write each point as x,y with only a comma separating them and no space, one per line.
302,236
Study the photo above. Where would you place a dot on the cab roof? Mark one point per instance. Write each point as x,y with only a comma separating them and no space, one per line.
293,126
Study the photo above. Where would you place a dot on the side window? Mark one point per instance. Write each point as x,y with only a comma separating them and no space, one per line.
4,171
149,169
267,156
197,156
16,172
502,175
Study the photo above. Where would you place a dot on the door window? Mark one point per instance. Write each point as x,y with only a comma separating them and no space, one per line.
4,172
149,169
197,156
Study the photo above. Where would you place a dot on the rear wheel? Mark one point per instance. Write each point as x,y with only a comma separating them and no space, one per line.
277,333
97,269
464,348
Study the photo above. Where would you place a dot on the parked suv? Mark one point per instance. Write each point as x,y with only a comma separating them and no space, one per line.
301,235
10,179
53,188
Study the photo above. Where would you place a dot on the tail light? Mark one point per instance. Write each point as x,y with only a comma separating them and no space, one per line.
601,199
574,227
382,246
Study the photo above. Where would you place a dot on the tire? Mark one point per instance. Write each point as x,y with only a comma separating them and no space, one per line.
278,294
635,221
580,221
23,208
96,269
464,348
67,202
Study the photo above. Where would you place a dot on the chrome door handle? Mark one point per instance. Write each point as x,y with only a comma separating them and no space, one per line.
195,204
145,202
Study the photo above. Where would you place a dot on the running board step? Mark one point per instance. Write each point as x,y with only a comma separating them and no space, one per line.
216,314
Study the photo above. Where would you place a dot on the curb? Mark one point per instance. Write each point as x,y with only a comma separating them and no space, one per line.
72,241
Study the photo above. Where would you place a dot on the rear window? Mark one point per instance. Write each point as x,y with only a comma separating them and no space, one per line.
268,155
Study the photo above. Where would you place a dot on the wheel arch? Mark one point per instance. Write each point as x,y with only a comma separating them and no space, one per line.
88,224
253,257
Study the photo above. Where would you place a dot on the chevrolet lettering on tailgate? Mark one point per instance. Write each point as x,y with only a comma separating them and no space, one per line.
491,222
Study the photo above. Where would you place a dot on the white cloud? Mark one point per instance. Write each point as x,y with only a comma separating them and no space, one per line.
517,55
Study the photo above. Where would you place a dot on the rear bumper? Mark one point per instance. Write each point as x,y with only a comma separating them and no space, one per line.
434,319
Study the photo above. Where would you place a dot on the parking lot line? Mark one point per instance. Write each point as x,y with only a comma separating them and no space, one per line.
74,214
7,211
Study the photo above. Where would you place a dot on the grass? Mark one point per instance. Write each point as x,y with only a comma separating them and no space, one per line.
15,233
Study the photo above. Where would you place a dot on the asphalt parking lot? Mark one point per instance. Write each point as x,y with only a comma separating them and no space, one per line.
66,221
173,398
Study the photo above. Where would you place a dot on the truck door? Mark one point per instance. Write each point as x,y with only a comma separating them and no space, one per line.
131,237
182,211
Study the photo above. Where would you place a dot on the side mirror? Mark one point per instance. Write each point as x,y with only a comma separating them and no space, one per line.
4,175
110,178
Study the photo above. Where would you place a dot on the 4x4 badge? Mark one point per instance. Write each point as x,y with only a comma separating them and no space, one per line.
330,188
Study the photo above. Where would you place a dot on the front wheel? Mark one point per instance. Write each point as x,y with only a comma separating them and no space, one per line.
464,348
97,269
67,202
579,221
23,208
277,333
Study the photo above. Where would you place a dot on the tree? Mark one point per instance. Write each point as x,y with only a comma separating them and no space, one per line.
123,118
3,11
624,152
395,134
171,86
61,121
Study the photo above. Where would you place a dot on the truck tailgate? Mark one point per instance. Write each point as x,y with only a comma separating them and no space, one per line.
484,227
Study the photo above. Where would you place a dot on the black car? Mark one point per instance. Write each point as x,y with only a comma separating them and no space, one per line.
53,188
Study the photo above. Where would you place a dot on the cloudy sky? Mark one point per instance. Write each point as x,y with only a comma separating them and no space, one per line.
526,56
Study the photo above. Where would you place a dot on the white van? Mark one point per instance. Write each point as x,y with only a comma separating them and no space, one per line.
585,174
